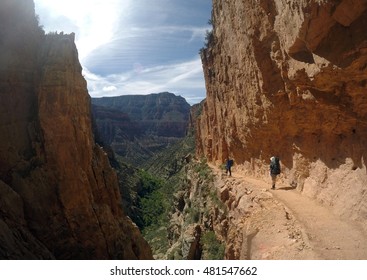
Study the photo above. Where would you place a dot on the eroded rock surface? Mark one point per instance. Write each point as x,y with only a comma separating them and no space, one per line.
59,195
288,78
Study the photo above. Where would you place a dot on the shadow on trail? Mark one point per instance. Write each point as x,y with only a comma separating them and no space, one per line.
286,188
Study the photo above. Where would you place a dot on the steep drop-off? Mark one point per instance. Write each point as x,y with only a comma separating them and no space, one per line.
59,195
288,78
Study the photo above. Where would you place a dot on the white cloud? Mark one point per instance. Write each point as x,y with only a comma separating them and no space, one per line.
109,88
112,35
181,78
94,21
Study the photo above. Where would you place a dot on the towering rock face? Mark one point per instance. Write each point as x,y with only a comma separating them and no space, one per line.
59,195
289,78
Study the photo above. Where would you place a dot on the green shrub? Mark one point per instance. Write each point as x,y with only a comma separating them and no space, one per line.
203,170
213,249
148,183
152,207
193,215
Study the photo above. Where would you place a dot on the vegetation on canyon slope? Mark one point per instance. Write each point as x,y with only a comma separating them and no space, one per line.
179,196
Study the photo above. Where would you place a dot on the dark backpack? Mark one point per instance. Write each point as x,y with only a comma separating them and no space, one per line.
275,167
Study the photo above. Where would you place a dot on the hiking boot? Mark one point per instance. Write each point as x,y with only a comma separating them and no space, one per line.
273,187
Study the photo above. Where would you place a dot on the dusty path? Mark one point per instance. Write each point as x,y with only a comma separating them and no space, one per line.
313,231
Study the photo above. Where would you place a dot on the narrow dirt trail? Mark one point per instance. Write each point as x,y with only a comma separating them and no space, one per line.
324,235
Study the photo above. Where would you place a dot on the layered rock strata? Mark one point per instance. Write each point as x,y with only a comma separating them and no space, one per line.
59,195
289,78
139,126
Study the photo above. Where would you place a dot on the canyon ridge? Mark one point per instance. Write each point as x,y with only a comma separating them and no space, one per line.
59,196
284,78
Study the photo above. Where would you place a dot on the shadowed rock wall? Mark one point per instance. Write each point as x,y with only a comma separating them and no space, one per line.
59,195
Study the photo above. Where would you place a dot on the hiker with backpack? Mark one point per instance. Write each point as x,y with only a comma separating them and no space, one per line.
229,164
274,170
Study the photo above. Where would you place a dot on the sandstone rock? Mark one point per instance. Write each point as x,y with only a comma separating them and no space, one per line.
60,195
289,78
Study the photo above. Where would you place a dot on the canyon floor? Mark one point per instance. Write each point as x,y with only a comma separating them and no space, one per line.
282,224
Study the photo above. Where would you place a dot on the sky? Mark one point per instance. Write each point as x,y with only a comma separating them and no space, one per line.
135,46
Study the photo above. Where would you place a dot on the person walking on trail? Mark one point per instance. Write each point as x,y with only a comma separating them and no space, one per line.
274,170
229,164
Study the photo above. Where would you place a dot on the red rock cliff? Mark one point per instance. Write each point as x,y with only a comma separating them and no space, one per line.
289,78
59,196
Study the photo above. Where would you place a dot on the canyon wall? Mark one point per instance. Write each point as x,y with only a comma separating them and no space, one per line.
289,78
59,195
139,126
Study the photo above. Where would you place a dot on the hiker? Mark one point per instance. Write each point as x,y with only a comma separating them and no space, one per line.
229,164
274,170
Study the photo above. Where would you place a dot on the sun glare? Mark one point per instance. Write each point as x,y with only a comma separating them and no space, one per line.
96,20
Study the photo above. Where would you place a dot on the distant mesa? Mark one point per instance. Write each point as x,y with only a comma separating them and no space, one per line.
138,126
